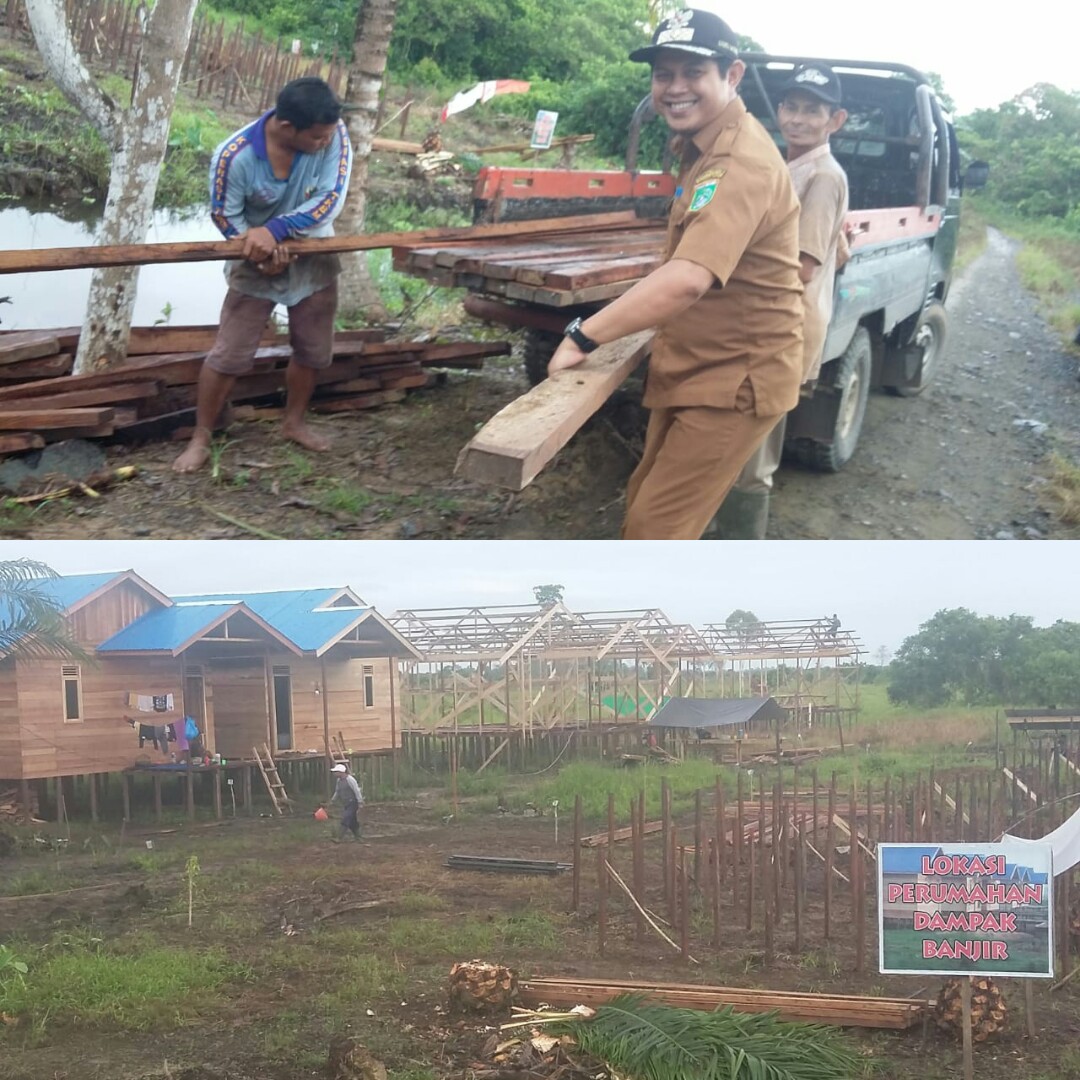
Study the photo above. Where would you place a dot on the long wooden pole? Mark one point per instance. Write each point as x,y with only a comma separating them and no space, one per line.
79,258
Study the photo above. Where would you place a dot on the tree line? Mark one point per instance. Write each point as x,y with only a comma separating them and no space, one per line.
959,657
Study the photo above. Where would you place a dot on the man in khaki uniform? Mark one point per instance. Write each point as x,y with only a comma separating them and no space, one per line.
809,113
727,358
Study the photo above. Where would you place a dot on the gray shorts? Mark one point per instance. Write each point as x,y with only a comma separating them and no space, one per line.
243,319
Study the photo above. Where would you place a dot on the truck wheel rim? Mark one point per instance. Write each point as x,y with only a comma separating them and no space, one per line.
850,406
927,340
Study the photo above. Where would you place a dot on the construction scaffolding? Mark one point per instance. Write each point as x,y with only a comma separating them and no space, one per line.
543,667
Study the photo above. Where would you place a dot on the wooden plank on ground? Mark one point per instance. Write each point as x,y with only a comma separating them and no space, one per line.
53,419
103,395
16,441
27,345
47,367
516,443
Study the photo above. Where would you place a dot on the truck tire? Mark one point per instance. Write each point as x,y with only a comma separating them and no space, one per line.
930,338
852,379
540,345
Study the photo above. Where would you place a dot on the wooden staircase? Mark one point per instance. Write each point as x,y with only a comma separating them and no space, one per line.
278,795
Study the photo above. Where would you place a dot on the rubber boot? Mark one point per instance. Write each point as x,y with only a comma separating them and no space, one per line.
744,515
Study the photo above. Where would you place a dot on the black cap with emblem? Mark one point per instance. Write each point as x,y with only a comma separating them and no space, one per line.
817,80
691,30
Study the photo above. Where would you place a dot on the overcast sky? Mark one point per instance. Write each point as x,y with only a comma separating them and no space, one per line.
881,590
986,55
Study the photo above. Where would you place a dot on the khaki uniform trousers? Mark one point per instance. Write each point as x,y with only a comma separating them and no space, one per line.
693,456
757,473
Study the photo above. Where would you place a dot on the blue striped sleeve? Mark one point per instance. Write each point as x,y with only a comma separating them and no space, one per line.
326,203
227,187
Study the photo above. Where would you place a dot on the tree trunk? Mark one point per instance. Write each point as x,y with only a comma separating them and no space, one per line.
374,28
137,137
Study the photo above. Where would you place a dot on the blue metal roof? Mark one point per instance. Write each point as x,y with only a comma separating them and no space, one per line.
165,629
292,613
69,590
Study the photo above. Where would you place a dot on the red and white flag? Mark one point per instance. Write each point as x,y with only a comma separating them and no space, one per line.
482,91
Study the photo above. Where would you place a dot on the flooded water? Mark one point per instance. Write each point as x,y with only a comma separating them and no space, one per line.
57,298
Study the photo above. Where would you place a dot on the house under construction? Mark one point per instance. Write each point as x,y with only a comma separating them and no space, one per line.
540,668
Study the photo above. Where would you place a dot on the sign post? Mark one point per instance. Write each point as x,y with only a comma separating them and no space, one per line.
965,910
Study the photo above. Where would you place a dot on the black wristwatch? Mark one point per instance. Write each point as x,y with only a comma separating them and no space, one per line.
578,336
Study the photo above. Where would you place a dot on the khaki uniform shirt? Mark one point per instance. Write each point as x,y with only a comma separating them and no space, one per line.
735,214
822,188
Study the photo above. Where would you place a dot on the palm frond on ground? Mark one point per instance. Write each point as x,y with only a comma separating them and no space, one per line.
658,1042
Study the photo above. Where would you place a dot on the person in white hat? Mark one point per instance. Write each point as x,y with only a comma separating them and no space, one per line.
352,798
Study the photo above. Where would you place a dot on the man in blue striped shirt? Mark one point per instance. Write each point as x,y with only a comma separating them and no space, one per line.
283,176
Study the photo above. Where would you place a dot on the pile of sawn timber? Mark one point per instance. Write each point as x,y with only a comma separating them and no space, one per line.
596,262
153,392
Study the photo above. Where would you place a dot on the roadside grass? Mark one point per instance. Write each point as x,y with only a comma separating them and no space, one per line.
971,241
1049,263
91,986
1063,489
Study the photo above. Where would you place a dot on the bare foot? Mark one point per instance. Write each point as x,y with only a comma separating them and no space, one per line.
306,437
193,458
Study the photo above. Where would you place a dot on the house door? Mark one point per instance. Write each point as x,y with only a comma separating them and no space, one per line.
195,698
283,709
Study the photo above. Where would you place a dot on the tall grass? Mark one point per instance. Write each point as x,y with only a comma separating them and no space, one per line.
134,991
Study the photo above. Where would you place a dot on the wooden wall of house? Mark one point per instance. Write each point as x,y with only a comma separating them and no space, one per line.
100,740
365,729
110,613
10,740
238,711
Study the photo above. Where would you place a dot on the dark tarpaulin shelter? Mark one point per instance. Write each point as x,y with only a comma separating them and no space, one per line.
681,712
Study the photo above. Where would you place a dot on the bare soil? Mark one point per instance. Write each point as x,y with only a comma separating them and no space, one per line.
403,854
966,459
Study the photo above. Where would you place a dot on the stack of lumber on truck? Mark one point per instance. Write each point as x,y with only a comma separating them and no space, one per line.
843,1010
153,391
579,265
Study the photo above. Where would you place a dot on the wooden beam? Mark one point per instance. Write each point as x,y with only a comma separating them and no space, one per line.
519,440
22,261
27,345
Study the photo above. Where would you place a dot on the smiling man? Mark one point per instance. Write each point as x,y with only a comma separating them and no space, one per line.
809,113
727,358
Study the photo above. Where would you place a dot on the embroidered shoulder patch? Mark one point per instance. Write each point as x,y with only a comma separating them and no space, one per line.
704,190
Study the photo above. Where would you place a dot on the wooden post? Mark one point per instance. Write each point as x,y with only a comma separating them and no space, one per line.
665,828
736,847
858,884
157,796
1029,1006
697,838
830,846
800,872
813,780
217,791
392,663
247,795
768,889
671,842
601,882
639,919
717,883
92,781
721,842
611,828
189,792
125,790
639,865
576,888
684,918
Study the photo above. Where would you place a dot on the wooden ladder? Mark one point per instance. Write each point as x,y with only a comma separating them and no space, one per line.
339,753
278,796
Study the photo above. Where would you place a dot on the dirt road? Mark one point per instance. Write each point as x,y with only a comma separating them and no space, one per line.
964,460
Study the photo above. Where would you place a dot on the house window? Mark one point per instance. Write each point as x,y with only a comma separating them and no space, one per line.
369,687
72,680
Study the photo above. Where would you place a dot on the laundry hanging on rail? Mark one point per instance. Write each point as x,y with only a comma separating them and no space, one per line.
157,703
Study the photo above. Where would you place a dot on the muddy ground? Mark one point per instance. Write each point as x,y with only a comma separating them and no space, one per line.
967,459
260,875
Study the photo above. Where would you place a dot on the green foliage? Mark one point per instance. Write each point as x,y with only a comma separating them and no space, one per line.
599,101
1033,146
32,622
548,594
655,1042
985,660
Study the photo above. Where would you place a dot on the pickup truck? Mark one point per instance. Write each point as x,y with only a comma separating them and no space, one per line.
899,150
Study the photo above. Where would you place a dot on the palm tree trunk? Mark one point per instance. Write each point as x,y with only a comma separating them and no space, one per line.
374,28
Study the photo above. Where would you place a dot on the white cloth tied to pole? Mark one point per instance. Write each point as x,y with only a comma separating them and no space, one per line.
482,91
1064,842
